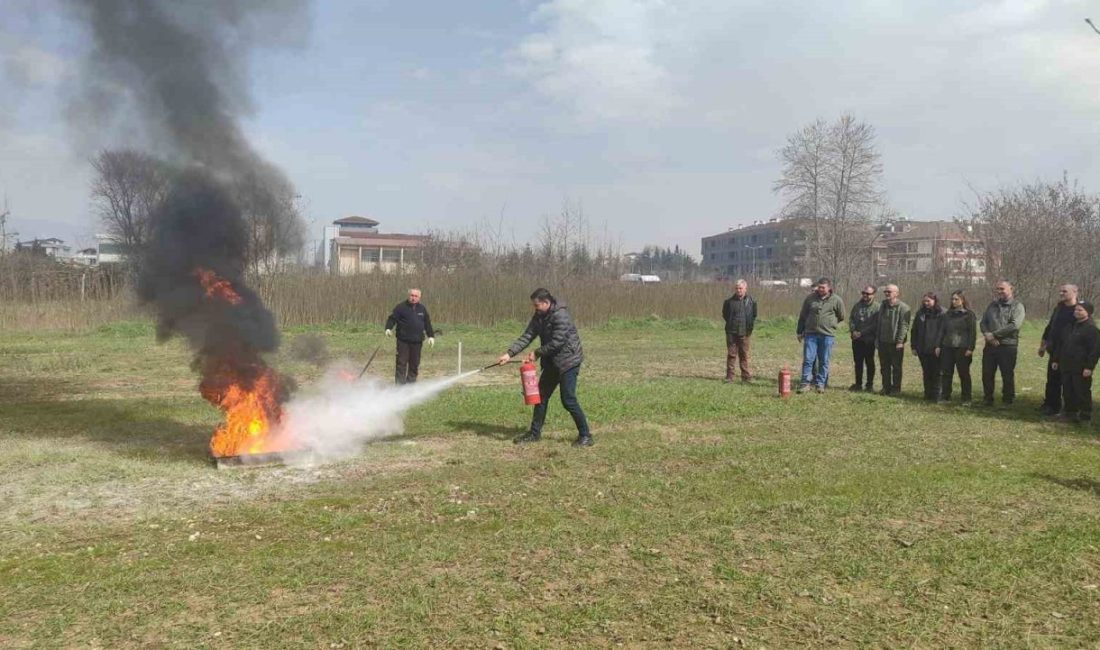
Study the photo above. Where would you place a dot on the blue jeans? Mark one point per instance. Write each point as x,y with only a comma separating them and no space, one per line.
549,381
816,347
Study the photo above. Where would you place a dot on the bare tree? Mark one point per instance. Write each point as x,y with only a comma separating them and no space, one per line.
127,187
1039,235
269,205
832,176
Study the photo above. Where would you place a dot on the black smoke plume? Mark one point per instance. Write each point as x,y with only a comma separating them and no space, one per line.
170,74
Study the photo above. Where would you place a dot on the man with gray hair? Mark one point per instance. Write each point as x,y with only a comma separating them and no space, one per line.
892,324
413,325
1061,319
1001,328
739,312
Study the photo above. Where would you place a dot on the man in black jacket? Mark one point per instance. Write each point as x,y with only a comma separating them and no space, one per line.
739,312
1075,357
413,323
560,355
1060,321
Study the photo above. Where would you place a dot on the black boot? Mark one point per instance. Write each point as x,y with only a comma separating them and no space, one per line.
530,436
583,440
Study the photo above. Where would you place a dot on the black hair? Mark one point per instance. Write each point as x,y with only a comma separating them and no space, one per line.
961,295
542,295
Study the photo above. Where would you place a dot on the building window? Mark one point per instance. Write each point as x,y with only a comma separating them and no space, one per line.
391,254
369,255
733,255
767,252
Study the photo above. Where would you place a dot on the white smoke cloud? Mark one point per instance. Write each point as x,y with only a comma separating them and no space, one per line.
337,416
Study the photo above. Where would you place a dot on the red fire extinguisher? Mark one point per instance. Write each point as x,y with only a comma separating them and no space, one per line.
785,382
530,379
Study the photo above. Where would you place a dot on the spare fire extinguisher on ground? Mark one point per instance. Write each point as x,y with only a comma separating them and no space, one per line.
530,378
785,382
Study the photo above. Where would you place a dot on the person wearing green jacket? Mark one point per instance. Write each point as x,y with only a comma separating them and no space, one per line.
891,332
956,350
1000,327
822,312
861,325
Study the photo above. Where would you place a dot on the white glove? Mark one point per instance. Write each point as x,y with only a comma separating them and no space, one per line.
431,342
389,332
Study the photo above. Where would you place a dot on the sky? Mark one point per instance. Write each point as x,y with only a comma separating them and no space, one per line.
658,120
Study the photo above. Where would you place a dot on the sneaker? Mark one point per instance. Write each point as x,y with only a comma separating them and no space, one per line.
802,389
583,441
965,403
526,438
855,388
727,380
819,389
884,392
746,380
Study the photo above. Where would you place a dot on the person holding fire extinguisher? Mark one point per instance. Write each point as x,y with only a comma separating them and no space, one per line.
560,355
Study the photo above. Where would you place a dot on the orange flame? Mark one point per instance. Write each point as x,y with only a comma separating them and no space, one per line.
251,416
246,390
217,287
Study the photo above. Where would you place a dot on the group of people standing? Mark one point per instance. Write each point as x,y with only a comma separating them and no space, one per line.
943,338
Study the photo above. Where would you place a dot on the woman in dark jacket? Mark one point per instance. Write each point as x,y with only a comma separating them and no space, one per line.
927,328
1075,357
956,351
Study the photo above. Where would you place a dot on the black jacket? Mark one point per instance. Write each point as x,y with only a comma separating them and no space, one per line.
560,343
1061,319
1079,347
412,322
739,314
927,330
960,329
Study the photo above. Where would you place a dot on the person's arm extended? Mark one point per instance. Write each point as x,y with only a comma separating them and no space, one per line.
392,320
524,339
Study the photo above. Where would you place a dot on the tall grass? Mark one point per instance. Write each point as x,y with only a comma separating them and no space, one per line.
472,298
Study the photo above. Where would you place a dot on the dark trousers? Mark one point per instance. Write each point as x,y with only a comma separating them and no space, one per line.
737,353
863,352
549,381
408,362
1053,397
1078,392
954,360
930,372
999,358
890,359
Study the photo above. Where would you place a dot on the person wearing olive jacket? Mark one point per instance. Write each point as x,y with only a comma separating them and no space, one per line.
1000,327
861,324
739,312
1075,357
822,312
561,356
927,330
956,351
891,332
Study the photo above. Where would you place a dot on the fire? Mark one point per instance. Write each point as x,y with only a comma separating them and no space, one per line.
252,415
217,287
244,387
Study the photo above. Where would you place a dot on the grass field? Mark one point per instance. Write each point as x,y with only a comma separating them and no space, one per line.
707,515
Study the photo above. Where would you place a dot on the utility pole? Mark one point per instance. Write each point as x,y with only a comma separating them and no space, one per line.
4,234
754,249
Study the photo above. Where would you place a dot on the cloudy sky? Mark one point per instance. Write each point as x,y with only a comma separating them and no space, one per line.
660,118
